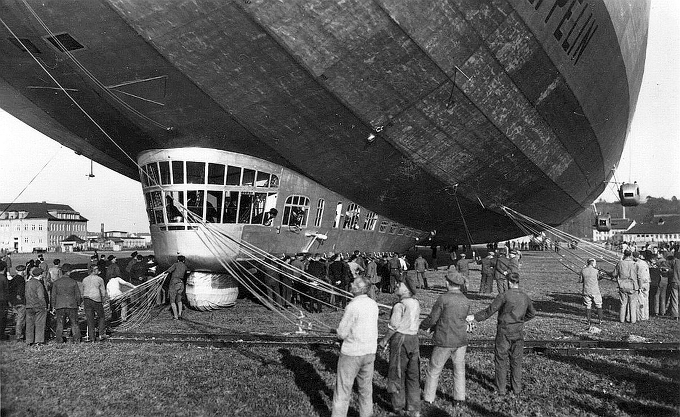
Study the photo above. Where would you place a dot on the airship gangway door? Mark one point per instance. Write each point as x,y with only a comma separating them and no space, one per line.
629,194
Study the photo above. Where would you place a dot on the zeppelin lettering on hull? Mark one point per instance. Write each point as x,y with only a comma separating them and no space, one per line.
576,24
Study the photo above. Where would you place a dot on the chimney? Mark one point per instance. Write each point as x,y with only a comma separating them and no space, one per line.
102,229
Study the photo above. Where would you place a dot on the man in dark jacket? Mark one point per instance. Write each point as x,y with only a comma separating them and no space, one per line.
317,268
113,270
501,271
138,271
66,298
488,265
17,299
340,276
514,307
447,320
36,308
4,298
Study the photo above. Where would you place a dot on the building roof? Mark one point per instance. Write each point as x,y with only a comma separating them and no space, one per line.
73,238
40,210
660,226
622,224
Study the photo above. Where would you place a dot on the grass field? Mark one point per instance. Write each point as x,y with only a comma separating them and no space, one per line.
171,380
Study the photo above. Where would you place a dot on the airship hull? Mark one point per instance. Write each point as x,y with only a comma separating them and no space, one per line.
431,114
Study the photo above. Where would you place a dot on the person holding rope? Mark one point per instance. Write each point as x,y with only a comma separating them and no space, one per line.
590,276
514,307
176,288
358,331
448,321
625,273
404,370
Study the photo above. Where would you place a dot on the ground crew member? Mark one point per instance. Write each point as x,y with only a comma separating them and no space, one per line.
591,290
514,307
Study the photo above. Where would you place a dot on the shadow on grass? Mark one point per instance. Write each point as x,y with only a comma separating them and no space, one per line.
484,380
647,387
381,398
568,304
246,352
629,406
308,380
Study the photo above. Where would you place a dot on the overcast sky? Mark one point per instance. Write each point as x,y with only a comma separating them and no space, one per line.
651,156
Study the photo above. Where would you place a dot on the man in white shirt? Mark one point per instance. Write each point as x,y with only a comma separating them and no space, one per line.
116,287
358,330
403,378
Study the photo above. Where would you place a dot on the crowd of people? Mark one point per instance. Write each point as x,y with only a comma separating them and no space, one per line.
648,282
44,297
339,270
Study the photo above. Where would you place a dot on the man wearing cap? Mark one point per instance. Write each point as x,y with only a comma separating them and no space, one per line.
447,321
384,273
317,268
514,307
66,298
513,262
36,308
176,288
17,299
625,273
421,266
488,264
403,377
94,294
131,263
113,270
395,271
665,272
137,272
463,268
501,270
358,331
644,279
591,290
372,277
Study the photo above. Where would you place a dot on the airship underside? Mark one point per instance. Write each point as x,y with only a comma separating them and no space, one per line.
428,114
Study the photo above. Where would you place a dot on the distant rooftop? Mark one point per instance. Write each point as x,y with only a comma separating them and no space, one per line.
658,226
44,210
621,224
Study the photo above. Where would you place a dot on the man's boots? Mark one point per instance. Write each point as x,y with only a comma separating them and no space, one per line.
599,315
588,314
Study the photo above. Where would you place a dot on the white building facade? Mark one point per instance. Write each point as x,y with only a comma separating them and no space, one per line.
31,227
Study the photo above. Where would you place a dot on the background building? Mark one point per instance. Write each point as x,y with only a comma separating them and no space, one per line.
662,229
618,226
28,227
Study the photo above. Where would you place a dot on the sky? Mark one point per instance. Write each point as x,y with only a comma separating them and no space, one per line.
36,168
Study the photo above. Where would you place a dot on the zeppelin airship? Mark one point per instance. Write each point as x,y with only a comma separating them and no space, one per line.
332,126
